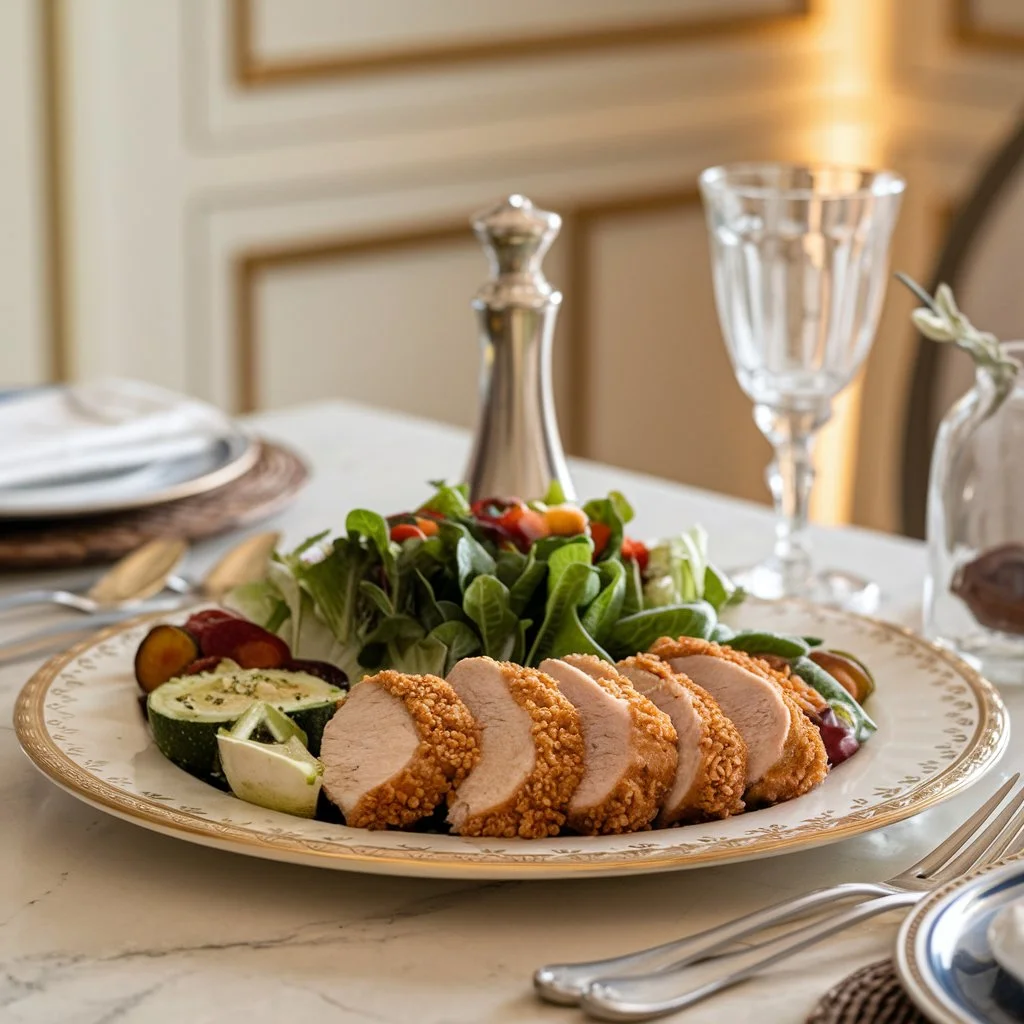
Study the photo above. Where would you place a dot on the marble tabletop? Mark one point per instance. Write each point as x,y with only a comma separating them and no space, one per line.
101,921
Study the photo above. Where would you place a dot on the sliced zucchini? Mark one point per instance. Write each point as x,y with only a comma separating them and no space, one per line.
265,724
186,713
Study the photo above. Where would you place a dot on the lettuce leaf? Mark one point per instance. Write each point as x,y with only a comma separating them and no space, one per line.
487,604
471,558
364,601
448,501
532,576
605,610
460,641
677,569
637,632
260,602
561,621
614,512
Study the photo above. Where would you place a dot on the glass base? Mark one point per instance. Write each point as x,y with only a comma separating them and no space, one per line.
830,587
999,657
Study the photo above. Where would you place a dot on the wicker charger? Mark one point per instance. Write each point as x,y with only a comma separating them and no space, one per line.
277,476
872,995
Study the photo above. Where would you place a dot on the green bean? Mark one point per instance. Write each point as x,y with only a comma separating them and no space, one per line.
763,642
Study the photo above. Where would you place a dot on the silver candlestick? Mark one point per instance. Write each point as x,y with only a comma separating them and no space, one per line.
517,451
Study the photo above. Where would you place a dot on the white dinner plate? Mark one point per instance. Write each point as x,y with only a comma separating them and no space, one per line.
944,956
224,459
940,728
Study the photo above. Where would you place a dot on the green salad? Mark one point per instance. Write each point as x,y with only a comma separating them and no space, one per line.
510,579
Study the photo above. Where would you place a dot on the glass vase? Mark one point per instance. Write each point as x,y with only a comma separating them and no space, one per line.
974,591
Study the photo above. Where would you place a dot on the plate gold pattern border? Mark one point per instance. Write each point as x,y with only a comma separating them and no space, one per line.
981,752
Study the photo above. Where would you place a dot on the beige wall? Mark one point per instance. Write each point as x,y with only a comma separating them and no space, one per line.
263,201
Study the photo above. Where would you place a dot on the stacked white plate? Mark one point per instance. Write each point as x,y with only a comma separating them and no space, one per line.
110,446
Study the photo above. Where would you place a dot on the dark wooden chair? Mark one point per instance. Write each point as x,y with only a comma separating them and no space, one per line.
982,260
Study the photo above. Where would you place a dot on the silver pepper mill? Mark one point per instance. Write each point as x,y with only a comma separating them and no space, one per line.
517,451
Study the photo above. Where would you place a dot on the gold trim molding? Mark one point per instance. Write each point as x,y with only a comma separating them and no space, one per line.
251,267
51,42
253,72
969,33
581,223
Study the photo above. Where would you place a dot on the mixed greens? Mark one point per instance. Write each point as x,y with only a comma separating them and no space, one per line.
512,580
240,697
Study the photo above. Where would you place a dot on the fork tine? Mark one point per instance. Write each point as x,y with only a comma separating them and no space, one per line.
940,855
1011,835
977,850
1014,848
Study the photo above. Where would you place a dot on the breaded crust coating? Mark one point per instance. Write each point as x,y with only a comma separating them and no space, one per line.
804,763
537,808
448,750
717,787
811,702
636,798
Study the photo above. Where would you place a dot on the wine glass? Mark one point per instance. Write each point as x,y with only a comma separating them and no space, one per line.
800,264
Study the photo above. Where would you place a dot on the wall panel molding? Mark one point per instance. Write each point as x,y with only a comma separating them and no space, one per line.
251,265
581,223
971,33
251,71
54,167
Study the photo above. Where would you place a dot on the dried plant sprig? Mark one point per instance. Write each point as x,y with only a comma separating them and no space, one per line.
940,320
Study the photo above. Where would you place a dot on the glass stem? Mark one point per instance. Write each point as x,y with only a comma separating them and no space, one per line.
790,478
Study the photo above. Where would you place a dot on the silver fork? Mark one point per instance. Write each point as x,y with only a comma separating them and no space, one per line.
566,983
679,986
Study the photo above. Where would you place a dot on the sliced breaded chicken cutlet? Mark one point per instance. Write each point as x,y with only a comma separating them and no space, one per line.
531,752
712,756
395,748
785,755
629,758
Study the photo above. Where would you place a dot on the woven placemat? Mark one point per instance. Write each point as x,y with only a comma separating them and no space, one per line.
275,479
872,995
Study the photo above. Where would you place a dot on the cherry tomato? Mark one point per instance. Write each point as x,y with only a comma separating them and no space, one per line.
600,534
637,550
566,520
406,531
511,519
525,525
428,527
490,510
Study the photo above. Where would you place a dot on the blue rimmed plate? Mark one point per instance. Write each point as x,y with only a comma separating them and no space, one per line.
943,953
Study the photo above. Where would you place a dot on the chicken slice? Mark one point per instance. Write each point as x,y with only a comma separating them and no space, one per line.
629,758
785,755
531,752
395,748
712,756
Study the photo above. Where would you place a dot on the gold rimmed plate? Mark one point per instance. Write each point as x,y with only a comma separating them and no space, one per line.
219,461
941,727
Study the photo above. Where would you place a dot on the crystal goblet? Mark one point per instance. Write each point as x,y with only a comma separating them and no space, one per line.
800,266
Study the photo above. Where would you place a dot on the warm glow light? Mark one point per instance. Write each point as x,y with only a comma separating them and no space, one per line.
854,38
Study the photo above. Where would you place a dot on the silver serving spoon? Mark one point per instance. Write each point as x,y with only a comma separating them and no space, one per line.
245,563
134,578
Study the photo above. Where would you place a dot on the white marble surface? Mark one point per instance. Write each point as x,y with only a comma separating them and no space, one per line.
101,921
